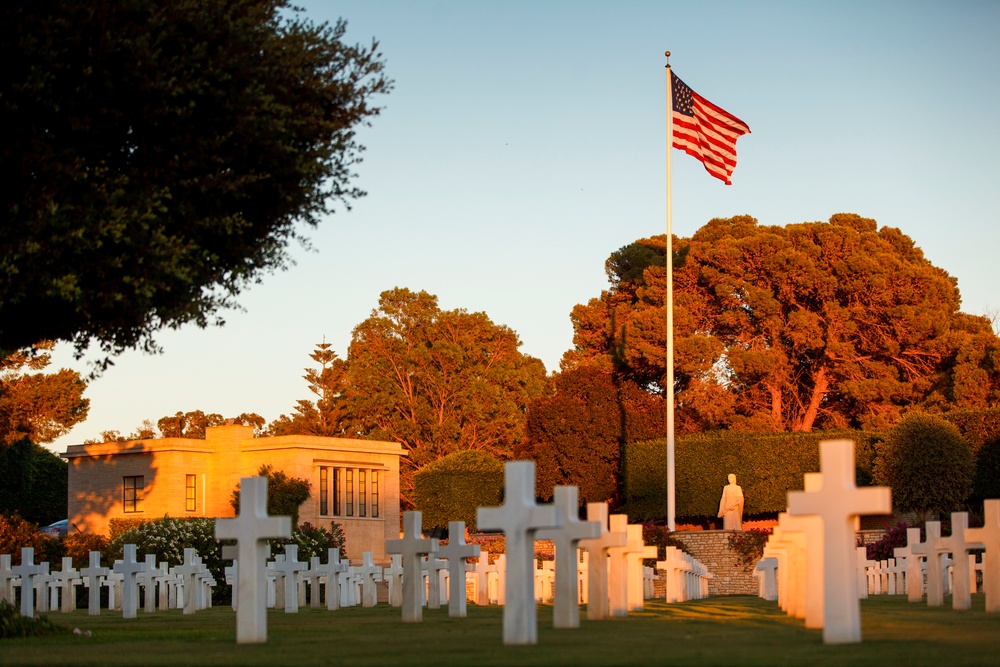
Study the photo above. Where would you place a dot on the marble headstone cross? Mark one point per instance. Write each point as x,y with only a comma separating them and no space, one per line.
394,576
914,574
7,578
251,529
147,580
128,567
989,536
618,572
289,569
67,580
520,518
411,546
457,551
93,574
566,608
959,545
370,573
839,502
929,550
27,571
598,597
189,570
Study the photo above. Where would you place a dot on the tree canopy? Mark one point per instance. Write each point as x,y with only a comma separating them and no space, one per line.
38,407
791,328
157,157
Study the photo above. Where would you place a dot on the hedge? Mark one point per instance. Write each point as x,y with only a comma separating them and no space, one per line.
451,488
766,465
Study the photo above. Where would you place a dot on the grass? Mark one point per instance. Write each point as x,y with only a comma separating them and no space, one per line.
736,631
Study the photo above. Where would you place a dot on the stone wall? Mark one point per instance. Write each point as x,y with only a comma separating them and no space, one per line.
711,547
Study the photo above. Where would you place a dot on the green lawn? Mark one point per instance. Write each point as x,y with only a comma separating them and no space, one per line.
734,631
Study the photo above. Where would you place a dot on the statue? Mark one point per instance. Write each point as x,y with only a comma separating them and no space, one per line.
731,505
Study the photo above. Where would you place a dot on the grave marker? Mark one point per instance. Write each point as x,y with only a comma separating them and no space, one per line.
250,530
519,518
566,610
598,595
839,503
128,567
27,571
411,547
989,536
457,551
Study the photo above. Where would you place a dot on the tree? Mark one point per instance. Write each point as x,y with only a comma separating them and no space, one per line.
576,435
837,324
284,494
38,407
438,381
327,415
190,424
157,158
451,488
927,464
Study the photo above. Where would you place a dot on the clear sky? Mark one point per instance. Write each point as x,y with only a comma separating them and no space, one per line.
525,141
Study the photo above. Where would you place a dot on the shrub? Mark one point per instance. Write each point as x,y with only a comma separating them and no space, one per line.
313,540
748,545
451,488
927,464
284,494
12,624
79,545
16,533
885,548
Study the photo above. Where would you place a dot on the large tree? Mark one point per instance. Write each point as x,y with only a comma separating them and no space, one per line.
327,414
789,328
35,406
438,381
157,157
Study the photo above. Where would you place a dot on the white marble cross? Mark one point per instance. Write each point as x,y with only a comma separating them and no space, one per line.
371,574
147,581
128,567
27,571
932,554
671,565
989,536
457,551
189,571
40,582
598,596
914,573
566,609
839,503
767,567
412,546
959,545
811,528
250,529
633,566
394,577
67,580
7,578
863,563
289,569
433,567
520,518
331,570
618,571
93,575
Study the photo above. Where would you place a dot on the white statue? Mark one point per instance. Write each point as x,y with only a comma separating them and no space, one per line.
731,505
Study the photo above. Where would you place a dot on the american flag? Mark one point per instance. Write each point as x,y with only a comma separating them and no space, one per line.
705,131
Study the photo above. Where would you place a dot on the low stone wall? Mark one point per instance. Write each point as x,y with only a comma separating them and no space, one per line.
711,547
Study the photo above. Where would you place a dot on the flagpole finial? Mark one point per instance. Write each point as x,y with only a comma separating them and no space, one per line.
667,54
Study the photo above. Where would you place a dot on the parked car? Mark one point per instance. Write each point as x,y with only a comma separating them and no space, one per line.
57,529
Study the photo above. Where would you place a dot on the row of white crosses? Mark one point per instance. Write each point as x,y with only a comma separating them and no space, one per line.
288,580
928,560
616,577
42,590
810,563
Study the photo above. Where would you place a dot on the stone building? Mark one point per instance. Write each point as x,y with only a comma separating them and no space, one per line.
355,483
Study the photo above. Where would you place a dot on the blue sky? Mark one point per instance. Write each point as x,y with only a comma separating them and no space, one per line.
525,141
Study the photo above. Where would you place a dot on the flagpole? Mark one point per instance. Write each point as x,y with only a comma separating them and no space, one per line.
671,503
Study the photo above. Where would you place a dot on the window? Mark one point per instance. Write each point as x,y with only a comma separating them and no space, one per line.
336,492
190,493
374,491
350,493
362,498
324,491
132,495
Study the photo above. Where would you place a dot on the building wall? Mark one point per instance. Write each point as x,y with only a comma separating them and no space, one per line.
96,473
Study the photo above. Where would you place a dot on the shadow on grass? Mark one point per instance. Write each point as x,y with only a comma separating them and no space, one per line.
725,630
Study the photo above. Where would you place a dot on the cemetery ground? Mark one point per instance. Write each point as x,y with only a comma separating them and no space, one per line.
736,630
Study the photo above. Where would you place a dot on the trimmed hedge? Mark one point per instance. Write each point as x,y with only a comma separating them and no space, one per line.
451,488
766,465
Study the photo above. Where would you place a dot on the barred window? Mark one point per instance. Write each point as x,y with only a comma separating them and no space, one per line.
362,497
336,492
374,493
132,494
324,491
190,493
350,492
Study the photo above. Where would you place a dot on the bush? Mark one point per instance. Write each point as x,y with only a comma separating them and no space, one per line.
12,624
767,466
927,464
451,488
79,545
313,540
749,546
885,548
16,533
284,494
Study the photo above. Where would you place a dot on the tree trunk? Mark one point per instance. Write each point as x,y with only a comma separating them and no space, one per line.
820,387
